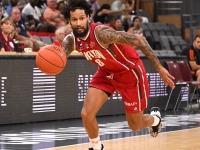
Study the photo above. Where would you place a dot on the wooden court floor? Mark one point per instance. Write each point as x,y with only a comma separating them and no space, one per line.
188,139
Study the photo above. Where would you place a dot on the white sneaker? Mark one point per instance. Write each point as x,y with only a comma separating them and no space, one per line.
102,147
154,130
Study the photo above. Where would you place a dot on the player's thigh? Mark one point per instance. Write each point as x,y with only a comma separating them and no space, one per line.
100,89
134,93
94,100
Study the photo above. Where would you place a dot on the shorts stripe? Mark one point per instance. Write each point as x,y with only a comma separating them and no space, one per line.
142,93
145,92
138,78
138,88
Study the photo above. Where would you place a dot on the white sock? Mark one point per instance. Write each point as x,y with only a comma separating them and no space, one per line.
156,121
90,143
96,143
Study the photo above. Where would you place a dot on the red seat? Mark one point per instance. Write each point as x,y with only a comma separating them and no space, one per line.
173,69
187,77
185,70
40,34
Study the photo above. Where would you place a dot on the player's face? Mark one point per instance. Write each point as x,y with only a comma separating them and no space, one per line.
197,43
79,22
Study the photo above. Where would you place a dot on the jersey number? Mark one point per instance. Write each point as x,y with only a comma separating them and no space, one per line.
99,62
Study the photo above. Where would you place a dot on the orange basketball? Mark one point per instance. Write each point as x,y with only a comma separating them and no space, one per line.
51,59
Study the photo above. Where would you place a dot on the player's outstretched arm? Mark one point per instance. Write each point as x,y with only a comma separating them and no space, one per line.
68,44
108,36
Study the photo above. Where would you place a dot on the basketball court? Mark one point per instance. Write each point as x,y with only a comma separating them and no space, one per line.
174,140
180,131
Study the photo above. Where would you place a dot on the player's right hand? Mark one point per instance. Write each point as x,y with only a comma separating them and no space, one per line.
166,77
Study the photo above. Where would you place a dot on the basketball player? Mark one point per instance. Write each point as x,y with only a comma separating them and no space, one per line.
119,68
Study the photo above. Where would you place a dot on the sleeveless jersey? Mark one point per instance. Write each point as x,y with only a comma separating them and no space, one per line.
115,59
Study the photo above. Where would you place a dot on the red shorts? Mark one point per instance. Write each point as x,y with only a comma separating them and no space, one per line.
132,86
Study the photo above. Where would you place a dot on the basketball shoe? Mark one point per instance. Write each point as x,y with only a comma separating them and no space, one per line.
154,130
102,148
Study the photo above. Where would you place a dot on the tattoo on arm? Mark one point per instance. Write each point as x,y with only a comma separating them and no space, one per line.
148,51
108,36
67,45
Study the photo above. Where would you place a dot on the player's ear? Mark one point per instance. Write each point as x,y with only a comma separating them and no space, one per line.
88,18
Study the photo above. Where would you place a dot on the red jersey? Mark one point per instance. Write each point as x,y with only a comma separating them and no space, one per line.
9,44
115,59
57,43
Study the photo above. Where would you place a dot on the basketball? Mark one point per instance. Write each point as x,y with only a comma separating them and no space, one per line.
51,59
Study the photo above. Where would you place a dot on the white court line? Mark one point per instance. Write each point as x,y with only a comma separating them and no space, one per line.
122,138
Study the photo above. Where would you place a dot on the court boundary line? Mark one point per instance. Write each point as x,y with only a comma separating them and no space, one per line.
121,138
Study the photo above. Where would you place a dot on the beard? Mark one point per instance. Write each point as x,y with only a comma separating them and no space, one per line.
81,34
196,47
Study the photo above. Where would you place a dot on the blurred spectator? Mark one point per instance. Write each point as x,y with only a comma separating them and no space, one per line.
1,13
60,5
117,5
21,33
14,3
128,15
32,15
23,2
67,29
103,12
41,4
95,7
52,15
132,3
122,4
5,3
193,55
110,21
31,9
59,35
118,25
7,26
135,28
65,1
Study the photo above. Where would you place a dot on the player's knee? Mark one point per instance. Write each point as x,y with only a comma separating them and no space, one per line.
85,114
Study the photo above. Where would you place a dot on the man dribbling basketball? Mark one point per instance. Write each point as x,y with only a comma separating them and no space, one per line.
120,68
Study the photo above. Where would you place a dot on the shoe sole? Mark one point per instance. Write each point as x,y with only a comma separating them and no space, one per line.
155,134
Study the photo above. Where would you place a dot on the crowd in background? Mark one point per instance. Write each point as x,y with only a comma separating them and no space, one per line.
44,16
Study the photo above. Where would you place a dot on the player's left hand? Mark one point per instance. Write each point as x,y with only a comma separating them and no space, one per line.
166,77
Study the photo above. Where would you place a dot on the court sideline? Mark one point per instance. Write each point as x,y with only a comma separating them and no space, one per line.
180,131
187,139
